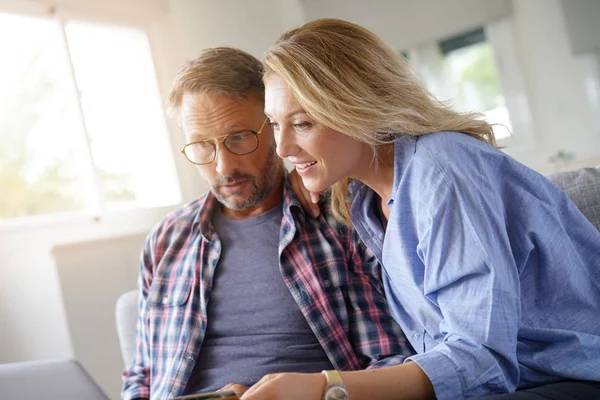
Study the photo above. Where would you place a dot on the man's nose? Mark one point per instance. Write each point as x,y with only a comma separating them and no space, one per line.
226,162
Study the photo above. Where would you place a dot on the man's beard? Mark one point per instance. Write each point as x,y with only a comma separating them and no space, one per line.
261,185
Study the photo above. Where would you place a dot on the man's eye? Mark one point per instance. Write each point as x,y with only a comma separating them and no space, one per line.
274,125
239,137
204,145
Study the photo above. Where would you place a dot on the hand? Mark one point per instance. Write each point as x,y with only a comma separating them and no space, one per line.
308,200
235,387
289,386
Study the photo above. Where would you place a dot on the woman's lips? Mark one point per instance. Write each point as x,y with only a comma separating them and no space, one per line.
304,168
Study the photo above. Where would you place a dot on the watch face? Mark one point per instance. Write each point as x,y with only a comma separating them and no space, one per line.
336,393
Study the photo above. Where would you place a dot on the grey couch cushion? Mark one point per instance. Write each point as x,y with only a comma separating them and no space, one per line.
47,380
583,187
126,315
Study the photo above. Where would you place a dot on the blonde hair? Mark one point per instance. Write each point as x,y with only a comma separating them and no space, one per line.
219,71
348,79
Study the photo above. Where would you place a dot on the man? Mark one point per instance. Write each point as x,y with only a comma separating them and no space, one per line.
241,283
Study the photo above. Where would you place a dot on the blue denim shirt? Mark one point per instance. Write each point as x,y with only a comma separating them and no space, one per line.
489,268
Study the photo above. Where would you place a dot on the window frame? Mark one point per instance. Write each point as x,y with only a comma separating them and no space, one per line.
500,37
136,15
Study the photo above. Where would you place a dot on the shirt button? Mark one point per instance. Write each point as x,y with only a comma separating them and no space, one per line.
416,336
326,283
191,358
165,300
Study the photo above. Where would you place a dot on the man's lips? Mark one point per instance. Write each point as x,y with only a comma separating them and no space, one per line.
234,186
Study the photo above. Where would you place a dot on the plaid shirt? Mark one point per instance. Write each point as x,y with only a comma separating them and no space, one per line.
335,281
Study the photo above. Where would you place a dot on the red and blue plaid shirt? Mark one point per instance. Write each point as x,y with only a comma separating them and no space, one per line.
335,281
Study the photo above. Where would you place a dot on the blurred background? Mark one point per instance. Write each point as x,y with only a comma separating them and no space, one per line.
89,162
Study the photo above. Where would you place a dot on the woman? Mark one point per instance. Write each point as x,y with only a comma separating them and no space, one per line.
490,269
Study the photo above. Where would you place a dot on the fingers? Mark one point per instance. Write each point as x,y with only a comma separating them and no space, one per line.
287,386
257,391
239,389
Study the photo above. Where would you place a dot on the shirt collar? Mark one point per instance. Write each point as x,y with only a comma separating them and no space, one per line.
290,201
203,219
405,147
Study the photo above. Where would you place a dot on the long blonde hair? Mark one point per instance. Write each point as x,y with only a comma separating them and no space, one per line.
348,79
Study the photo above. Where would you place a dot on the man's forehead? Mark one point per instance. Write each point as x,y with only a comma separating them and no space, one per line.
204,115
205,100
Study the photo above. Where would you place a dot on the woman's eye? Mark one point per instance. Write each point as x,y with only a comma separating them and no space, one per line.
274,125
302,125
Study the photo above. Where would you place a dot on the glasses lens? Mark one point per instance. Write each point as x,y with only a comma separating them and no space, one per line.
200,153
241,143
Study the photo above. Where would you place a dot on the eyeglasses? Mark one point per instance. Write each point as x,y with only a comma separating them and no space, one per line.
239,143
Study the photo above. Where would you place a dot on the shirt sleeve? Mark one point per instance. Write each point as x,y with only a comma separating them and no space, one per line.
136,377
471,278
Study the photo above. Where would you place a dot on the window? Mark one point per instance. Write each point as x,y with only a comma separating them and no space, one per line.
81,123
461,71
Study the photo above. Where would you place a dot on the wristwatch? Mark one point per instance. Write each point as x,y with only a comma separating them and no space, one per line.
335,390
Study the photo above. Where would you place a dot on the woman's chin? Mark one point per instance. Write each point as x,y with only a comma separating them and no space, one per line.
315,186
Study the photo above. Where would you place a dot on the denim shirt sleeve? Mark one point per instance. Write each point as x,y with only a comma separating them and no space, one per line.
472,280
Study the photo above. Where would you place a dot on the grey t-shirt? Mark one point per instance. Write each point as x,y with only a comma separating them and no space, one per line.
254,325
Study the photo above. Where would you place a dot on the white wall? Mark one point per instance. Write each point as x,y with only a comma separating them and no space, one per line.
563,118
252,26
406,23
581,17
37,321
90,285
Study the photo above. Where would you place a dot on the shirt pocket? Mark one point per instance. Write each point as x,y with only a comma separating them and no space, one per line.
332,275
169,294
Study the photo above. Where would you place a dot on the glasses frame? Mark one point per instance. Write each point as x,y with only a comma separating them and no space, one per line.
222,139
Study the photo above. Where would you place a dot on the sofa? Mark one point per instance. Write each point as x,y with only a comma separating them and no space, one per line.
583,187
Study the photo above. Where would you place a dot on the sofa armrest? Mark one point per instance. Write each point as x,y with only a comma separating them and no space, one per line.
583,187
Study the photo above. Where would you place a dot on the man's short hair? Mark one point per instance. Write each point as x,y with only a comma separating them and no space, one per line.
220,71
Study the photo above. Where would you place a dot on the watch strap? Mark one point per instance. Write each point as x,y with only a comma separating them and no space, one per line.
334,379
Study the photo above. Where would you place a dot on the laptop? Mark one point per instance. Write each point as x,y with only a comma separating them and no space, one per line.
48,380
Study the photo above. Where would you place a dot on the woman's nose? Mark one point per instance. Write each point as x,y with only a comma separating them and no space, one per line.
286,145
